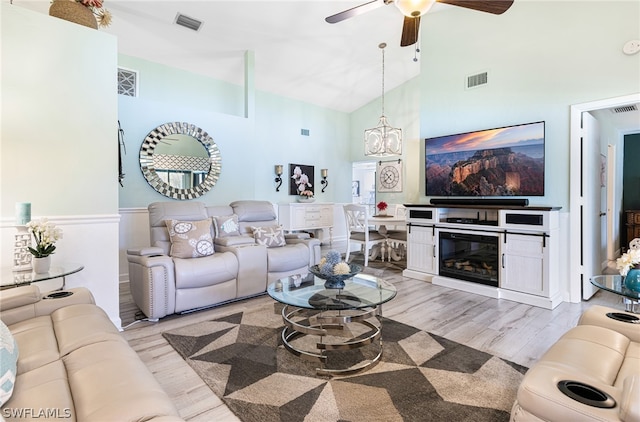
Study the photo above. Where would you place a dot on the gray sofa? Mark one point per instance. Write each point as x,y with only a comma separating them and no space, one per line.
241,266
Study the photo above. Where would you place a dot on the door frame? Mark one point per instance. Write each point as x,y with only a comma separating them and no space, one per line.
575,266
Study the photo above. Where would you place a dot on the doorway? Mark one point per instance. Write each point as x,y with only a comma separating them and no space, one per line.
363,188
584,211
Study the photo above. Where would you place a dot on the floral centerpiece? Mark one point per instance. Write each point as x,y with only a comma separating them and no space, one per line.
103,16
334,270
46,234
629,266
306,196
382,207
628,261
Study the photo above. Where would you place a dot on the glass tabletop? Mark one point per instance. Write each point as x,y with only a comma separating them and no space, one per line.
308,291
615,284
10,278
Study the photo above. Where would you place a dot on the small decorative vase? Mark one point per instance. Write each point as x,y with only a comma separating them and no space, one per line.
382,212
73,12
632,279
41,265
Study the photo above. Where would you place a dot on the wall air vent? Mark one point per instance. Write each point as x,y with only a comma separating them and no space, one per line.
188,22
625,109
127,82
474,81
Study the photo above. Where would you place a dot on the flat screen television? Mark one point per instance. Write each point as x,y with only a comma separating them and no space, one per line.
506,161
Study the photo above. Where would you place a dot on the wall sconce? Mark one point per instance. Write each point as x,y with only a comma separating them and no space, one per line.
278,178
324,182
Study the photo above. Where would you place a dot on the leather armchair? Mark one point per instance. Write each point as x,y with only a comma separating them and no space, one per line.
592,373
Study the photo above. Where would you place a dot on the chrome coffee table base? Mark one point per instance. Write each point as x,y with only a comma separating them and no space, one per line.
320,325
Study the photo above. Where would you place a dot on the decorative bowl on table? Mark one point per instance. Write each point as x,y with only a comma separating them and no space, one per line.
335,281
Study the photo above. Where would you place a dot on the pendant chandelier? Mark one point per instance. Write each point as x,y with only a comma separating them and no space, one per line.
382,140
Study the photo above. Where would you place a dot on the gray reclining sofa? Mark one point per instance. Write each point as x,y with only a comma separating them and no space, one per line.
238,249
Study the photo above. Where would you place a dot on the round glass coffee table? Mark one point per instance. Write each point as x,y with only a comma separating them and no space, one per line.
615,284
342,320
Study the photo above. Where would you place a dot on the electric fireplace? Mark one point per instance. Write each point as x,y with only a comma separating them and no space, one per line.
470,257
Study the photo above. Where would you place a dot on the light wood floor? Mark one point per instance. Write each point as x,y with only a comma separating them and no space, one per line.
514,331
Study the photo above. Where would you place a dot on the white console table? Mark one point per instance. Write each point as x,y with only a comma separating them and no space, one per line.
299,216
527,249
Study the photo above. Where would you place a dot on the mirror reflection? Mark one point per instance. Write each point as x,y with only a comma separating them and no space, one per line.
180,160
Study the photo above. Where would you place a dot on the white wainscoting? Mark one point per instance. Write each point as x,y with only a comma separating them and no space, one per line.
90,240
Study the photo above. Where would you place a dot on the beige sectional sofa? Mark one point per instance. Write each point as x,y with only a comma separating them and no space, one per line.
73,364
592,373
238,250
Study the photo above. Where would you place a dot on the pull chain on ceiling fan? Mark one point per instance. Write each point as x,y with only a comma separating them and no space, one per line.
414,9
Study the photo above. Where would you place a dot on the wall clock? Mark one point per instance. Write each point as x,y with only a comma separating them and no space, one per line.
389,176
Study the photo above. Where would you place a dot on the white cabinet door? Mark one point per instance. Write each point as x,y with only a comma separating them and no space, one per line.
421,249
524,267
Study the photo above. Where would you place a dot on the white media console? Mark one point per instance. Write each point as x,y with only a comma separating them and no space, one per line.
496,251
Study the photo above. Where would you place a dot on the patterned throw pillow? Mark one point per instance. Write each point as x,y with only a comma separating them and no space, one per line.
270,236
226,226
8,363
190,239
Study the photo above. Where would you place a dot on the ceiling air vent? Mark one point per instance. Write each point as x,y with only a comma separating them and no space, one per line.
625,109
127,82
474,81
188,22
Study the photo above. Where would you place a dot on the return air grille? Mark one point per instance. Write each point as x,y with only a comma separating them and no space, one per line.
625,109
477,80
188,22
127,82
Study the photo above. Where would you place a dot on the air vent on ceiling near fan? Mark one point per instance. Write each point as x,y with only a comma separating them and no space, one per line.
479,79
188,22
625,109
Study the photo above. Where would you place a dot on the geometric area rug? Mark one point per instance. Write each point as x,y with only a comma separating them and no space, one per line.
420,377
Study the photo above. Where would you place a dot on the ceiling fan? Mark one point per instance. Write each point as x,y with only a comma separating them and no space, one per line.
414,9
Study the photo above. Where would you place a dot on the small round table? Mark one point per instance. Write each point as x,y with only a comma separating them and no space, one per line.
10,278
310,309
615,284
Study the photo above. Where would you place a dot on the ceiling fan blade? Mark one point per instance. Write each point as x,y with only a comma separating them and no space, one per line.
355,11
497,7
410,31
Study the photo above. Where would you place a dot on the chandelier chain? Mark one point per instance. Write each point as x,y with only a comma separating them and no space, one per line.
382,46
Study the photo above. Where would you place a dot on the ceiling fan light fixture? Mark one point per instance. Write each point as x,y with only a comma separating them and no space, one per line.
414,8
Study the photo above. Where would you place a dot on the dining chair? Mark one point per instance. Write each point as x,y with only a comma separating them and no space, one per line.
397,237
359,230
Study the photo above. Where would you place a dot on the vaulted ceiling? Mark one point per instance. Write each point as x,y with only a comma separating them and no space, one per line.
297,54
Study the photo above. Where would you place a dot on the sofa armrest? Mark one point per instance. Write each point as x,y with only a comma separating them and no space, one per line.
629,403
27,302
252,268
597,315
152,282
314,248
234,241
146,251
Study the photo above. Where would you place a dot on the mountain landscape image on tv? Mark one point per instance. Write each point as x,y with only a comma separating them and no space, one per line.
506,161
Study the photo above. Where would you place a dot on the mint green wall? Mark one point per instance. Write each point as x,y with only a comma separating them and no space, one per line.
58,116
250,147
541,58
